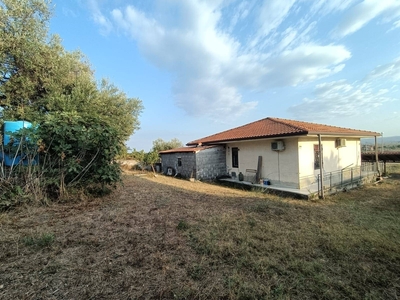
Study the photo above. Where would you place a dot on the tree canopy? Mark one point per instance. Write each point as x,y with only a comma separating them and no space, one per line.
38,76
161,145
82,123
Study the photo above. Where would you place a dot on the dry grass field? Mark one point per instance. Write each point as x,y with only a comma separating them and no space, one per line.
165,238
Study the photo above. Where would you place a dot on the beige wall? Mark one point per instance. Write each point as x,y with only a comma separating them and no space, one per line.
281,167
333,158
296,161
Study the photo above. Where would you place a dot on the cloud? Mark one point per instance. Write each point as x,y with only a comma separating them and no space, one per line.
306,63
272,14
362,13
341,98
195,51
386,72
211,66
97,16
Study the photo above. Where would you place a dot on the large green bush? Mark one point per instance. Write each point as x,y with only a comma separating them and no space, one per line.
80,124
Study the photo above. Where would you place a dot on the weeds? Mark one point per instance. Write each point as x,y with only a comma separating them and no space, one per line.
39,241
182,225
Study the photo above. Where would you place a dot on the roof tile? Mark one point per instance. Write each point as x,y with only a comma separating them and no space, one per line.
276,127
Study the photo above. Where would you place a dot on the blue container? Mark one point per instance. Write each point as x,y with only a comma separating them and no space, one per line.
9,128
266,182
13,126
10,161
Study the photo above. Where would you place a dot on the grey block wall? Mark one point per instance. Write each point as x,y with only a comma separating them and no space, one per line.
188,159
211,163
206,164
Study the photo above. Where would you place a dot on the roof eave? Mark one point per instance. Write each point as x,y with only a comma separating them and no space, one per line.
275,136
355,134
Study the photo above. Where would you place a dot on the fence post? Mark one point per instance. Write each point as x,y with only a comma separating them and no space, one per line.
351,177
341,178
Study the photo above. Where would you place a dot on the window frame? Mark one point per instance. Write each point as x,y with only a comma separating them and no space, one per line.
179,161
235,157
317,154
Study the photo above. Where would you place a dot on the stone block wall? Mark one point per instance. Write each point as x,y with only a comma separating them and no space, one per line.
211,163
206,164
188,160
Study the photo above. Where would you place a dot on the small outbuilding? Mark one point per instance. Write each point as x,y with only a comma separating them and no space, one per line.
197,162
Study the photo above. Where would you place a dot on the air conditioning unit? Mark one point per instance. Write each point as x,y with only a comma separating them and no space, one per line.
340,143
277,146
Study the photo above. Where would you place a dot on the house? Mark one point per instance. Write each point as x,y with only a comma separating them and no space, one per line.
288,153
198,162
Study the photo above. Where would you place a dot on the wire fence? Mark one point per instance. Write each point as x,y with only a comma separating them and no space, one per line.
342,178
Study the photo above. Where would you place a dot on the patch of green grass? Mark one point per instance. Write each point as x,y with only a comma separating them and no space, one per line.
40,241
182,225
393,168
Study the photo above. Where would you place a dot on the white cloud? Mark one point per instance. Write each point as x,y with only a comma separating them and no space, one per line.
387,72
210,65
341,98
324,7
362,13
306,63
195,52
271,14
104,23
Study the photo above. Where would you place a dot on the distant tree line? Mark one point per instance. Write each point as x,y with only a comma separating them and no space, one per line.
148,159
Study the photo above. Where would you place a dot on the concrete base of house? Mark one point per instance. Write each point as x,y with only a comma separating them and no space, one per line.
311,192
284,191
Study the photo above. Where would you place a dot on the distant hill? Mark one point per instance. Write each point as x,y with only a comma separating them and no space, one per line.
386,140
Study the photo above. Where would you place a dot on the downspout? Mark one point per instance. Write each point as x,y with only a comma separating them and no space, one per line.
321,171
376,157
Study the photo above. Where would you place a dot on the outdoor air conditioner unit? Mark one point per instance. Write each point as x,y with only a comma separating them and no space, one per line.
340,143
277,146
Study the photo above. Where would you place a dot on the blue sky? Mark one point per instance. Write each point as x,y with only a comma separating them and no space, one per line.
201,67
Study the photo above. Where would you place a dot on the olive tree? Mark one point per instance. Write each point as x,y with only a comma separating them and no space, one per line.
81,124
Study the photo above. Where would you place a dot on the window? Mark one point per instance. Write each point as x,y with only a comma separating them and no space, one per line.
235,157
316,157
179,162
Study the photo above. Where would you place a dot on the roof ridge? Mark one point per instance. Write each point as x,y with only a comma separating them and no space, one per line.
318,124
228,130
287,123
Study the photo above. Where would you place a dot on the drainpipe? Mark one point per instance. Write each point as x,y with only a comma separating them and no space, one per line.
376,157
321,172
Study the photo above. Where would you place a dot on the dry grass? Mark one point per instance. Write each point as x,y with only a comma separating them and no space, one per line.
164,238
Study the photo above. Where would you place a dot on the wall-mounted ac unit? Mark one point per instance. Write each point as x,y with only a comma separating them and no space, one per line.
340,143
277,146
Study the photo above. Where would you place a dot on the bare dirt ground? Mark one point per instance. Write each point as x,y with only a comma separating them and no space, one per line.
135,244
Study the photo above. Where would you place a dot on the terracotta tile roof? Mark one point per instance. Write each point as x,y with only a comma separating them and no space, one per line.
275,127
186,149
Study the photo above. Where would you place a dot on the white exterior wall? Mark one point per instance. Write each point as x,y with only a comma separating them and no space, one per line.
280,167
333,158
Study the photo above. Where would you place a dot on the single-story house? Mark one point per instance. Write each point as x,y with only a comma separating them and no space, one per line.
198,162
286,152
